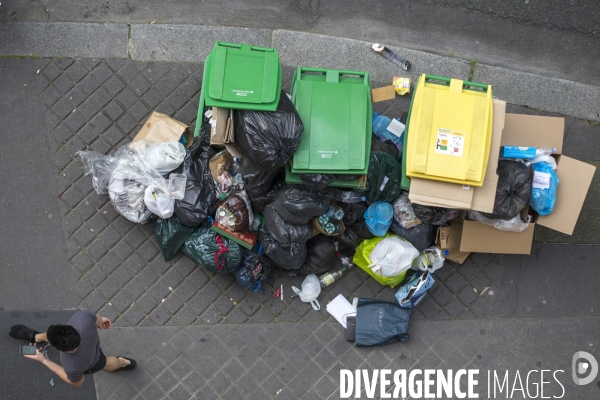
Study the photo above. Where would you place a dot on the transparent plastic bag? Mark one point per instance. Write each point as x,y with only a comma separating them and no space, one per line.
236,213
403,212
392,256
162,202
515,224
165,157
430,259
311,289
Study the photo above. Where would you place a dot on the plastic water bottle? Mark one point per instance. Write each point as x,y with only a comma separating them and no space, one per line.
351,197
330,211
338,214
235,171
333,276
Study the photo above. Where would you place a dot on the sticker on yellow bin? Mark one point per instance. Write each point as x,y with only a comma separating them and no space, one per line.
450,142
402,85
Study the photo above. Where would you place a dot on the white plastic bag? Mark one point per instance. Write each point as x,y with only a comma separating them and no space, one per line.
165,157
160,199
511,225
431,259
311,289
392,256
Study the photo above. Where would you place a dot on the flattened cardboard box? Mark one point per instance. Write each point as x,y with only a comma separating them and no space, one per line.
448,238
221,130
574,177
246,239
451,195
160,128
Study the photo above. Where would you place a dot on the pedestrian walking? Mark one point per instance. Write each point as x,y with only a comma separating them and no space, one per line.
79,346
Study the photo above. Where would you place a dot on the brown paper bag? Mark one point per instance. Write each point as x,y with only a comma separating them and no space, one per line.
160,128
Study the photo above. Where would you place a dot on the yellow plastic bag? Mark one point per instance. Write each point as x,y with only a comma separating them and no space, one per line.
361,258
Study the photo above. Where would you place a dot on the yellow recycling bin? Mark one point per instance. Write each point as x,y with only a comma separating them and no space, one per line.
450,131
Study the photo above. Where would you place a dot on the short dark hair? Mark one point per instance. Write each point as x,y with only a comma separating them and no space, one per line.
63,337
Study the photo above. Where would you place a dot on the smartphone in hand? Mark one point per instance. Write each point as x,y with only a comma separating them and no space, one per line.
27,349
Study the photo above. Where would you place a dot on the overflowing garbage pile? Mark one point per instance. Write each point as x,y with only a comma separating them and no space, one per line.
277,180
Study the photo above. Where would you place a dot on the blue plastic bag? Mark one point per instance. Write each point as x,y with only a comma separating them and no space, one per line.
379,217
380,322
380,124
543,189
413,290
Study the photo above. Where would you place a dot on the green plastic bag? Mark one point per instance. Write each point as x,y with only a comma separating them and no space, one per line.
383,178
171,234
361,258
212,251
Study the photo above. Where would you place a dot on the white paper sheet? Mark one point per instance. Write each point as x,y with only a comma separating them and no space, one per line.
341,308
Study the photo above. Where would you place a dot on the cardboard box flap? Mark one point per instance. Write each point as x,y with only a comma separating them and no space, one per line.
444,194
574,178
480,238
533,131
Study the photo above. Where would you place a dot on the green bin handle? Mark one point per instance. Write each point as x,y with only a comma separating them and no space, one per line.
239,46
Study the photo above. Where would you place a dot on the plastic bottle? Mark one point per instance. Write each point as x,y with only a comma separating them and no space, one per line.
346,196
330,211
329,228
333,276
430,259
235,169
338,214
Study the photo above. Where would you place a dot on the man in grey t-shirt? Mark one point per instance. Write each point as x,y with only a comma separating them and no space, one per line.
79,346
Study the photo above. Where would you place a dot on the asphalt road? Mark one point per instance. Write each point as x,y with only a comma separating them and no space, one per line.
529,35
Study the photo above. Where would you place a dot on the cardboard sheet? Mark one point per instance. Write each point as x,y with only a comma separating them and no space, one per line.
383,93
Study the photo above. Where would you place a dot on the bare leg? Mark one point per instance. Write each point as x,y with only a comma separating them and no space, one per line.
41,337
113,363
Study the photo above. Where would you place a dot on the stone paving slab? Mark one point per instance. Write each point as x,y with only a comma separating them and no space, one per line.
303,360
99,105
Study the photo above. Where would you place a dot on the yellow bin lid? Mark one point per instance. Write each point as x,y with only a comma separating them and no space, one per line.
450,131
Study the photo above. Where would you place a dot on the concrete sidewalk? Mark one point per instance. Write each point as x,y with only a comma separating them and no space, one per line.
200,335
541,89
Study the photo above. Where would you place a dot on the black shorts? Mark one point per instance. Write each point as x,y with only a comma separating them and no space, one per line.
98,366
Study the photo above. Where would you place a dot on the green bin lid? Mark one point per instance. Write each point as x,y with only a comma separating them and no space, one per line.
335,108
242,76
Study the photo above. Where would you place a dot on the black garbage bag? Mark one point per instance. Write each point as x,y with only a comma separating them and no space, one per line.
384,146
269,139
284,232
286,256
420,236
380,322
253,271
316,181
434,215
383,178
260,202
297,204
354,234
353,211
513,190
171,234
212,251
199,200
320,255
256,181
